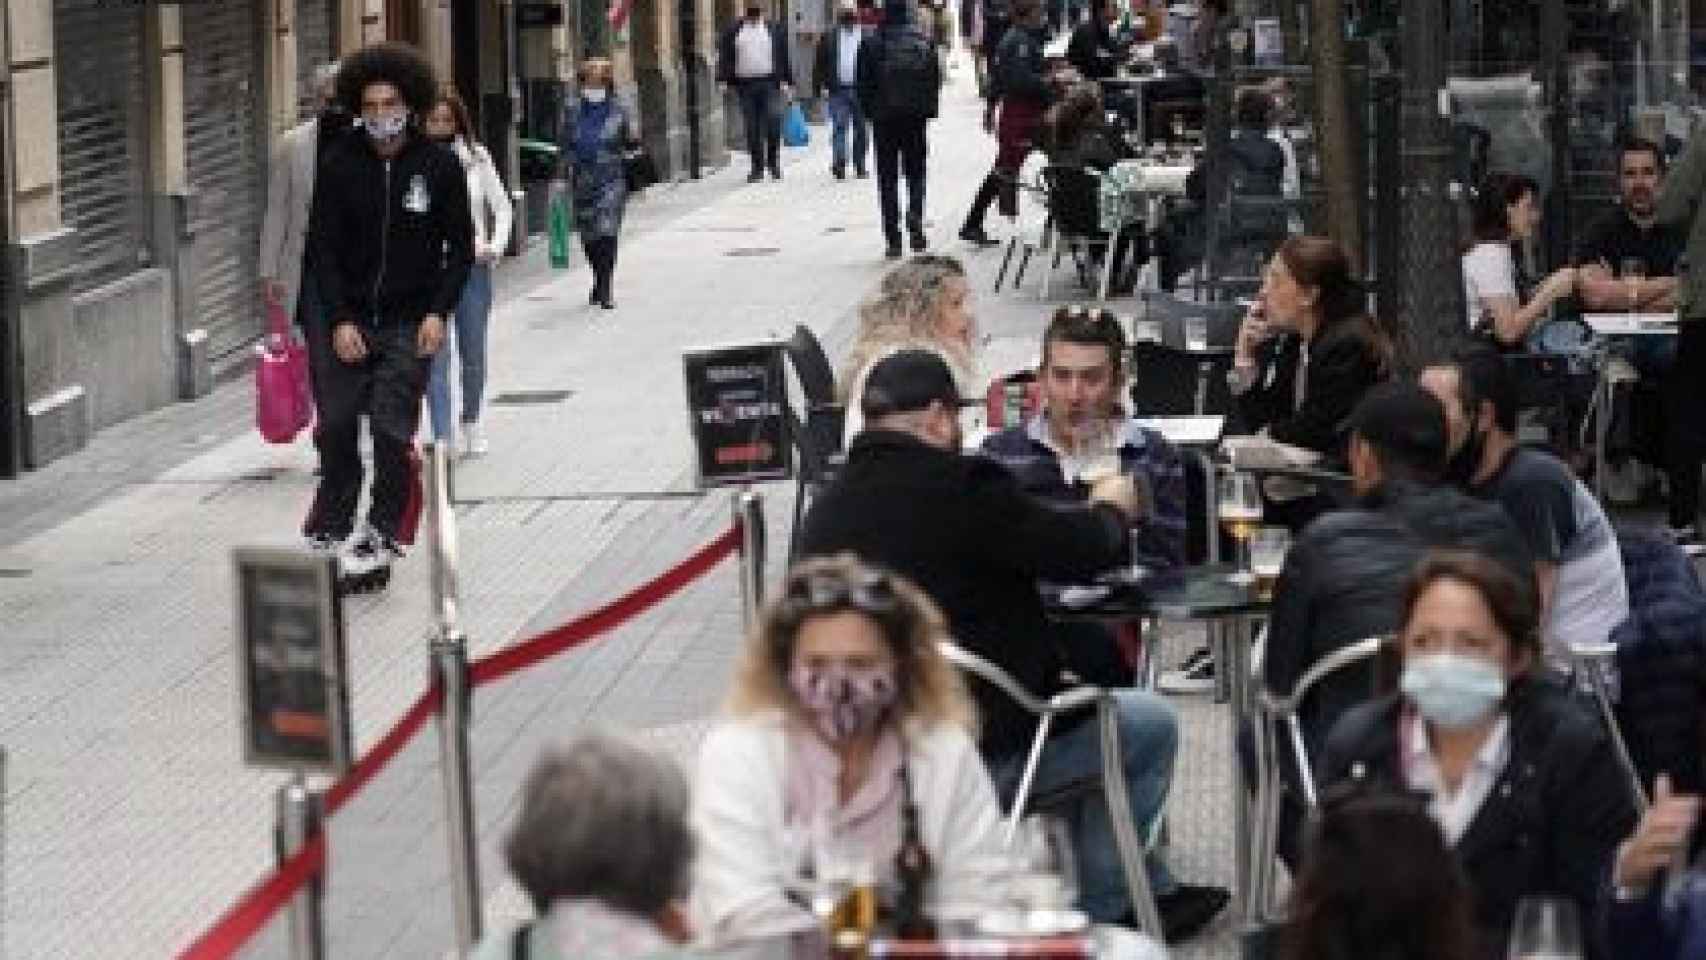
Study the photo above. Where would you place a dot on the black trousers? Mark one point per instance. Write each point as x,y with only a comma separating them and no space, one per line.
1687,440
901,148
761,113
387,387
601,256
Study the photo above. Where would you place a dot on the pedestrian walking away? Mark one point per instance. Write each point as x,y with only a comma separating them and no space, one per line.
596,130
752,58
899,89
287,276
836,78
488,205
1019,92
393,242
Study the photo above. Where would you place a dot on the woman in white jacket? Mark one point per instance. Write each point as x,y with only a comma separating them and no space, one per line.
841,688
449,124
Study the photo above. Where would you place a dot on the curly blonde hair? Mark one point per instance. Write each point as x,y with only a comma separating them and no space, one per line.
931,692
904,314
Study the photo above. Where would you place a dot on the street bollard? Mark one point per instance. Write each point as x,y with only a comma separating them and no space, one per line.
298,815
749,514
449,668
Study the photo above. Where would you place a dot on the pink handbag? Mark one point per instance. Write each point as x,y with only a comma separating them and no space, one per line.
284,405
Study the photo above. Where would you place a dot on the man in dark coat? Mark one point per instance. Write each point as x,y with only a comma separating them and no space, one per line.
962,530
900,82
752,57
1019,91
1343,579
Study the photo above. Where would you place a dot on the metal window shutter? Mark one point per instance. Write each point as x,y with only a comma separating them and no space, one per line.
102,121
314,19
222,120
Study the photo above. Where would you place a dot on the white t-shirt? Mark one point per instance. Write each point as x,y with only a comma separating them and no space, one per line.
1489,271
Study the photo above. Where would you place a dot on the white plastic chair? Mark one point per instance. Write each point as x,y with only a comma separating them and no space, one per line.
1114,793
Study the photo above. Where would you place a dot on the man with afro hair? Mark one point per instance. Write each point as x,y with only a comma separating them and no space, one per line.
392,247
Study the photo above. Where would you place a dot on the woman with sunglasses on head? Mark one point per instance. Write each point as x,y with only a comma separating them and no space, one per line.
845,722
1519,772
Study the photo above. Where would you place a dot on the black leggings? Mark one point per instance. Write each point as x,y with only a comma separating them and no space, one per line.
601,255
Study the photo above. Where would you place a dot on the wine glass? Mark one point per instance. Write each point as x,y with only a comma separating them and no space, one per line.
1633,270
1240,514
1044,869
1545,928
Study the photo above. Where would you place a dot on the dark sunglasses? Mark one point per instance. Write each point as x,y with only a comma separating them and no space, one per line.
871,593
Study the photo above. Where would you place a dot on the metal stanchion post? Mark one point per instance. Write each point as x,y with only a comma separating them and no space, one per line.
298,811
450,672
749,514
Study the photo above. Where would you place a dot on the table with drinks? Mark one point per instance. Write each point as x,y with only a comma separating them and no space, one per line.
863,911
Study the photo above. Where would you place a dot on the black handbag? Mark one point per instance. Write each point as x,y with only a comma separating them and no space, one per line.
638,169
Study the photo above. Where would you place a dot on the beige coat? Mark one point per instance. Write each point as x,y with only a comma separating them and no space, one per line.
290,191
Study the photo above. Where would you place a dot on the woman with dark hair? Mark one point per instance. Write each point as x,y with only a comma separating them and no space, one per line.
596,131
449,124
1307,350
1075,130
1378,882
1506,212
1517,771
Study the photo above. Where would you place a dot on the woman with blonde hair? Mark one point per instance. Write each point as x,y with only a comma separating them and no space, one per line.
923,303
846,726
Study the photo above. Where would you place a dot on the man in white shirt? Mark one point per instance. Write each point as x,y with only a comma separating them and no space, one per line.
752,56
837,75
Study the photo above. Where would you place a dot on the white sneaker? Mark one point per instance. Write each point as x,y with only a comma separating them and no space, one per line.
365,563
474,442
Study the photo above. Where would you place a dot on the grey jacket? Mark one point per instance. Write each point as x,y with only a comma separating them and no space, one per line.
1679,203
284,226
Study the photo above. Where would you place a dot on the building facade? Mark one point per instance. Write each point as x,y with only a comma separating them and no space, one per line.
136,138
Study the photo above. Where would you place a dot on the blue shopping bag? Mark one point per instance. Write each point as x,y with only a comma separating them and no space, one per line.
794,132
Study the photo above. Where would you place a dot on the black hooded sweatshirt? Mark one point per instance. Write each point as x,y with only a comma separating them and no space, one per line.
393,239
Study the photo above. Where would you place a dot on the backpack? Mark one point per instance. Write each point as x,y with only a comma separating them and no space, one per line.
907,86
1254,173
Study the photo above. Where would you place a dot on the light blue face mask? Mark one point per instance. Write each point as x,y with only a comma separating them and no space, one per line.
1451,689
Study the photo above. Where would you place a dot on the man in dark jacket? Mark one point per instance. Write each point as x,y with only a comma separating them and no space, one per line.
1092,51
837,79
752,57
1343,579
1019,89
900,81
393,242
961,529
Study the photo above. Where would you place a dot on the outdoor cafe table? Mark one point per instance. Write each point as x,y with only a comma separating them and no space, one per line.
1607,325
810,945
1227,608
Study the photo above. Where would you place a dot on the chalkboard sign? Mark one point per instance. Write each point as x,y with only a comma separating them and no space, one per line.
737,399
290,660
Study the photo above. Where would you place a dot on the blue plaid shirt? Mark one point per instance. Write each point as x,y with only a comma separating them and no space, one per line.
1160,536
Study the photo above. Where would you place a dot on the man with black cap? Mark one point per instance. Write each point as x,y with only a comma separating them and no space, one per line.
1343,580
961,528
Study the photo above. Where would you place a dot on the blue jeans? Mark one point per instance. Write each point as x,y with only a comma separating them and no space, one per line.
472,312
844,112
1149,739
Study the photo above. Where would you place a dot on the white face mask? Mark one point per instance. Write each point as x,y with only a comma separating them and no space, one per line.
594,95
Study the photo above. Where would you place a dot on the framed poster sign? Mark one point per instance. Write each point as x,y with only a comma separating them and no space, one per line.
290,660
737,405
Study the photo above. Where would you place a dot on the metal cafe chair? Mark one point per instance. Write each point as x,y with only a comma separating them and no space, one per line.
1273,712
1113,785
1595,662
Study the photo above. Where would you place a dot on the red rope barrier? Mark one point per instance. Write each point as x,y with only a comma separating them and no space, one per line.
252,912
248,915
613,614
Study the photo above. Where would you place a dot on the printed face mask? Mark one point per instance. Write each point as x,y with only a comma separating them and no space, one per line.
385,126
1453,690
844,701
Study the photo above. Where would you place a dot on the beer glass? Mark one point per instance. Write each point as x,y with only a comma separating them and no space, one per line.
1240,514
